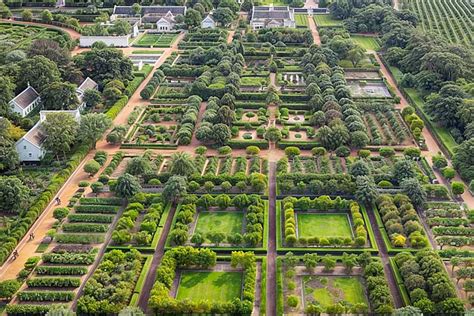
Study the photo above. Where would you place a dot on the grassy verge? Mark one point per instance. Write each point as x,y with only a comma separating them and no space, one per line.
141,281
263,287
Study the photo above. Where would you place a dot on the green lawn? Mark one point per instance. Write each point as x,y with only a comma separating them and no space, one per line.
323,225
366,42
156,40
213,286
254,81
327,291
326,20
301,20
223,222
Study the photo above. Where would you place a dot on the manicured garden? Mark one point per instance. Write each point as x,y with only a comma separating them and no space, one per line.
323,225
155,40
212,286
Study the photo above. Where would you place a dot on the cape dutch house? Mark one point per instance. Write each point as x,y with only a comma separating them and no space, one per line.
272,16
30,146
208,23
162,16
87,84
25,102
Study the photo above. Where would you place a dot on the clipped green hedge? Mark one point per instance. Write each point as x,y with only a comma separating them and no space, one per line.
84,228
28,218
60,270
42,296
79,239
27,310
117,107
241,144
100,201
69,258
54,282
301,145
103,209
90,218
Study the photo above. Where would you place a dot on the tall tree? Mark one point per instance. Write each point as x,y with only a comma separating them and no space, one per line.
181,164
59,96
366,191
37,71
93,126
7,92
104,64
14,195
174,188
61,133
463,160
192,18
51,50
127,186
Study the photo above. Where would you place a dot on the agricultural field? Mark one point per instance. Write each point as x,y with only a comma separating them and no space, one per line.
451,19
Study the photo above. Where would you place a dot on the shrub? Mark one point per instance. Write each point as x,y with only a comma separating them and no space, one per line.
343,151
292,301
60,213
8,288
292,152
387,152
364,153
457,188
224,150
97,187
83,184
252,150
91,167
449,173
200,150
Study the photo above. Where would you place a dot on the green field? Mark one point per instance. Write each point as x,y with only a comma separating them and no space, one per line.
212,286
328,291
323,225
326,20
223,222
301,20
254,81
156,40
366,42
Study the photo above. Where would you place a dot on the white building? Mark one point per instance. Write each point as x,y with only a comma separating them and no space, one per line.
87,84
110,40
162,16
25,102
208,23
30,146
166,23
272,16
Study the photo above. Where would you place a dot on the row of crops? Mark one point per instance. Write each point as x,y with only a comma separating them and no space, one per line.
451,19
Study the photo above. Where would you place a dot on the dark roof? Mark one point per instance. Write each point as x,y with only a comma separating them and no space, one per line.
127,10
270,8
26,97
271,15
35,135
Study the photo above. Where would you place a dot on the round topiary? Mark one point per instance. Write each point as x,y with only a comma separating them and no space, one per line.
247,136
297,135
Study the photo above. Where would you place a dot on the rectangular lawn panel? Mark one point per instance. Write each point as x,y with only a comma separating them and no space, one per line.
222,222
323,225
212,286
327,291
326,20
366,42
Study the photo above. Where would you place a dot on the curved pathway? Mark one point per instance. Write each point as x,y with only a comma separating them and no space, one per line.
74,35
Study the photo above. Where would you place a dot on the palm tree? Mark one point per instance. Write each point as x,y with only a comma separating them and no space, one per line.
181,164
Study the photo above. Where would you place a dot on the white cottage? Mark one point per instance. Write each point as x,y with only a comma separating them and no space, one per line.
166,23
87,84
30,146
208,23
25,102
272,16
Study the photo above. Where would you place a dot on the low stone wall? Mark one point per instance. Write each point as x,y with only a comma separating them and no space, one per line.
116,41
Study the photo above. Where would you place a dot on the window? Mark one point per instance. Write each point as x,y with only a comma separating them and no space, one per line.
30,155
24,147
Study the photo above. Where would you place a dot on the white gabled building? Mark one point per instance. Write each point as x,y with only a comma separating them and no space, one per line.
208,23
87,84
25,102
263,17
30,146
166,23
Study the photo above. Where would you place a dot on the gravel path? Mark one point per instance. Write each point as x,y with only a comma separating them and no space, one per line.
159,252
271,254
